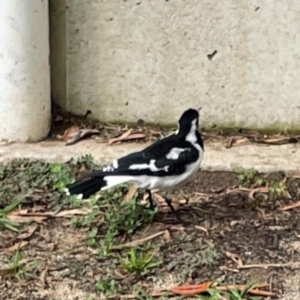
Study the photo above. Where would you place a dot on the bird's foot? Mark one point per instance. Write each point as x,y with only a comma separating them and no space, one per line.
169,203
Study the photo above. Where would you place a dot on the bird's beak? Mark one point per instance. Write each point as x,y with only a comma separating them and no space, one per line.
199,109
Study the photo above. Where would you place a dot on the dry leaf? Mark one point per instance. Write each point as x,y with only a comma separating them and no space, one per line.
167,236
159,199
235,258
126,137
58,118
17,212
236,141
288,207
15,247
25,219
28,231
72,212
43,276
131,191
279,140
201,228
191,289
74,134
120,138
257,190
143,240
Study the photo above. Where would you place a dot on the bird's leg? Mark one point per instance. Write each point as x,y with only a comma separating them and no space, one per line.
168,199
150,200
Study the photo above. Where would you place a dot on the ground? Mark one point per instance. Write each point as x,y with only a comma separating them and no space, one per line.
237,228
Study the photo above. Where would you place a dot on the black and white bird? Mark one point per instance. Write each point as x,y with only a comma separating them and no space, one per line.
162,165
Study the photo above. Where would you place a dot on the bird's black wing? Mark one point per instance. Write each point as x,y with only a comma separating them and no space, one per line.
153,160
178,166
142,163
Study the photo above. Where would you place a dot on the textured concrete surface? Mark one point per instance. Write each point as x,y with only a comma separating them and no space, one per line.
216,156
25,104
127,60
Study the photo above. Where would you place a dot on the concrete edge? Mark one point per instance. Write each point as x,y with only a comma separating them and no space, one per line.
216,157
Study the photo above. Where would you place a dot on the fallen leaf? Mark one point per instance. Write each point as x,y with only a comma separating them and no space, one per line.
67,213
240,142
141,241
69,132
235,258
191,289
167,236
74,134
179,228
288,207
201,228
17,212
28,231
58,118
15,247
25,219
278,140
131,191
257,190
159,199
43,276
126,137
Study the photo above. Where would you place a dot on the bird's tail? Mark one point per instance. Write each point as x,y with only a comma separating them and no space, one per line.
95,182
87,187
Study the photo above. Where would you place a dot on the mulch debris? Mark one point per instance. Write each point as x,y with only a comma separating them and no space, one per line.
231,235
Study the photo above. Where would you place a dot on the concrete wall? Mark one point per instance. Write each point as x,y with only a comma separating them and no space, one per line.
25,106
149,59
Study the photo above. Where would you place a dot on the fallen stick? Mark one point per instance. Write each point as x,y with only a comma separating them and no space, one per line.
265,266
140,241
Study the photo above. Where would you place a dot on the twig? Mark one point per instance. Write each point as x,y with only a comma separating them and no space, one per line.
141,241
288,207
265,266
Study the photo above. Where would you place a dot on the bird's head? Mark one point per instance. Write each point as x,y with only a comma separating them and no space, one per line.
189,121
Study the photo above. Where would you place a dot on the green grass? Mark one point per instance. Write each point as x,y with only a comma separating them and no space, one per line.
251,178
18,267
140,260
4,221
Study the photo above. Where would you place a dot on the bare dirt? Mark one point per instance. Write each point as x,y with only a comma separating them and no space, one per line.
222,222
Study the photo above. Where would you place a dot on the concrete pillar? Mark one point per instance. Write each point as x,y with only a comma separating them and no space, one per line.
25,105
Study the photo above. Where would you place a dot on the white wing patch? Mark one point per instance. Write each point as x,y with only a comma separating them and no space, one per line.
175,152
151,166
111,167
